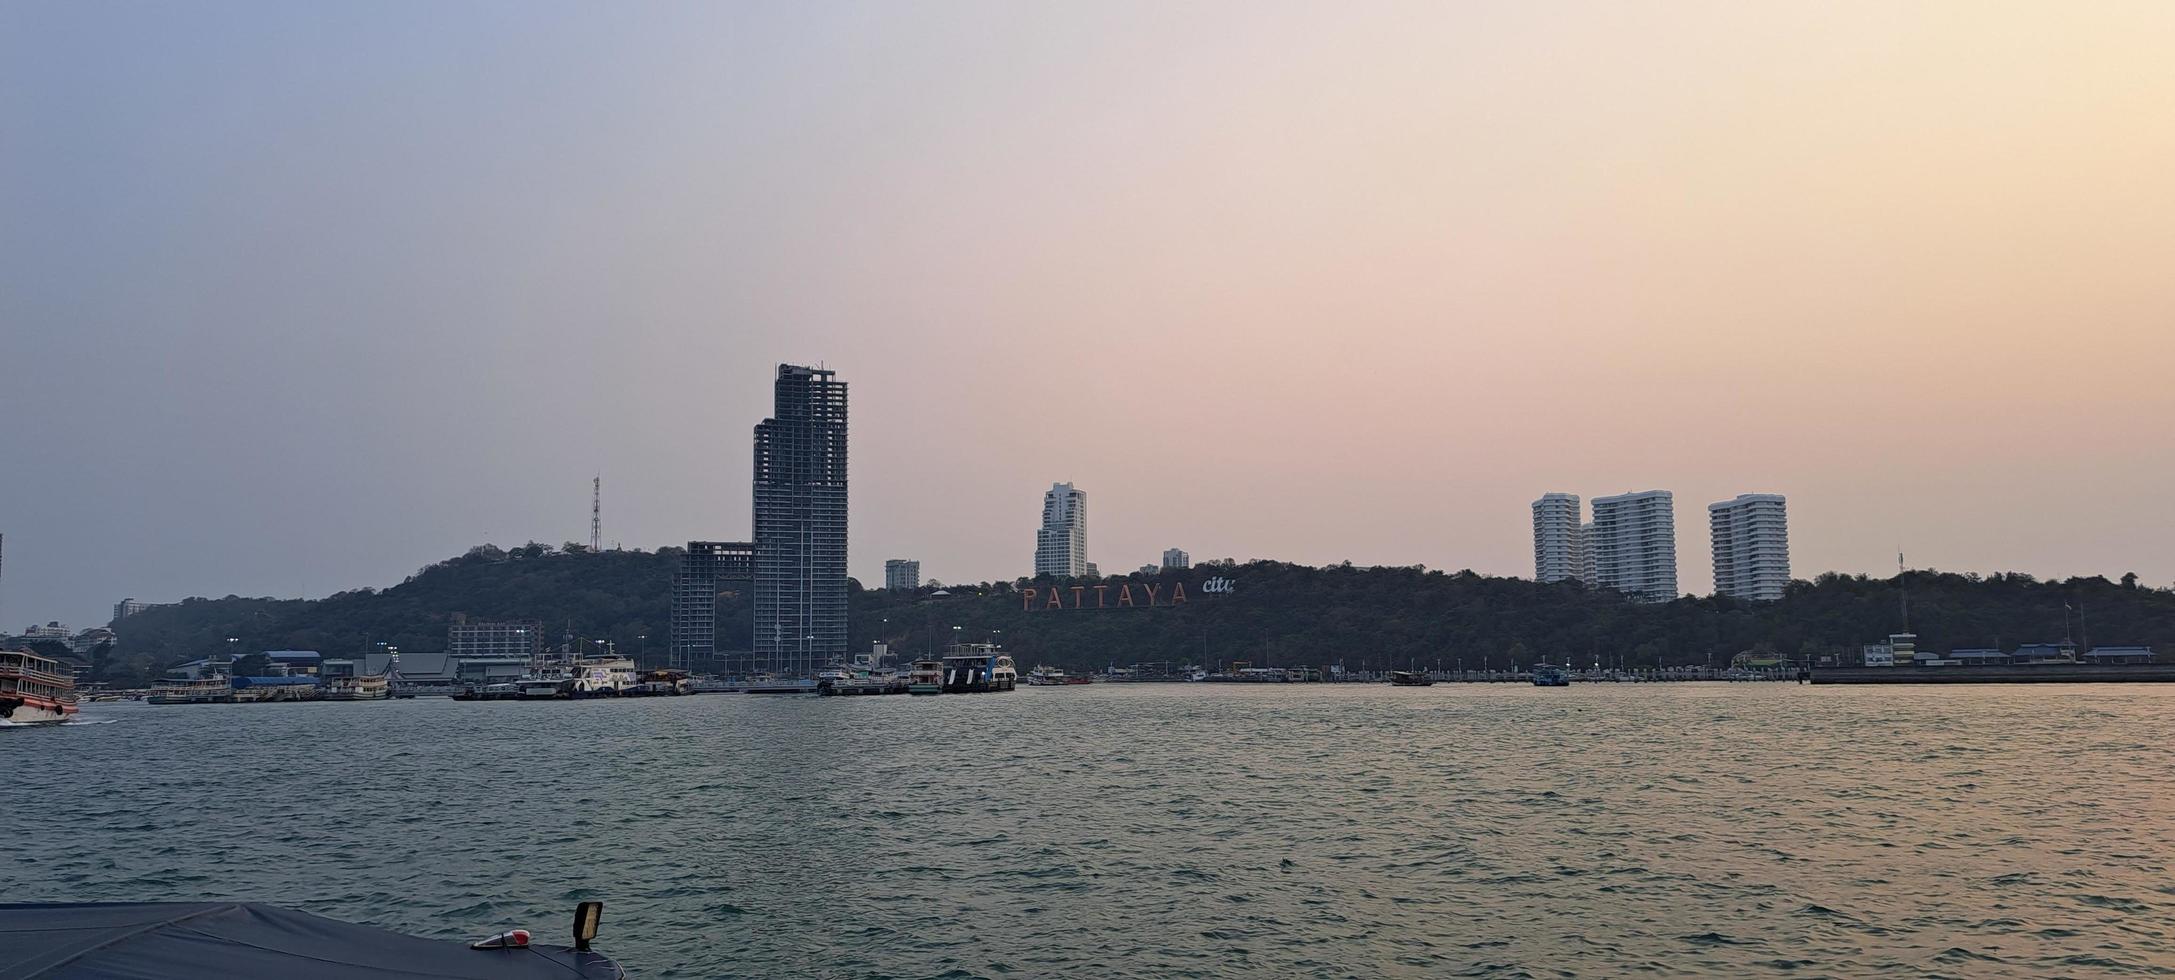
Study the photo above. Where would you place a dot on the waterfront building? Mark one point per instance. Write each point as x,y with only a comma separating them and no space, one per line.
705,567
294,662
2119,655
1979,657
2063,653
1751,546
131,606
1175,560
800,525
902,575
1634,544
524,640
1061,543
1559,539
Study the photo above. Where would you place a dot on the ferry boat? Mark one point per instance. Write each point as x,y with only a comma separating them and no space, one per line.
1410,678
609,677
202,690
34,688
1053,677
358,687
1550,675
974,668
925,677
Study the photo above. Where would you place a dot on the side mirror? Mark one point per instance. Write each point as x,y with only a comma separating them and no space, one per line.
587,917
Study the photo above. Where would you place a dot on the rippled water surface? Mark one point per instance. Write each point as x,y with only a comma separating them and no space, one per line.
1150,831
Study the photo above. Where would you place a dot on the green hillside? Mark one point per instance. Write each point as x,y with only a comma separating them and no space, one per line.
1276,613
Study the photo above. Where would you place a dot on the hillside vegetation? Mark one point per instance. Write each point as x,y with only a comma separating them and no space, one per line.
1277,613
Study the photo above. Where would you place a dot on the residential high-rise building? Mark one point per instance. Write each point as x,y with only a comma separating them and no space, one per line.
800,525
517,639
131,606
902,574
1559,540
1751,546
1634,544
1585,554
1061,544
705,568
1174,560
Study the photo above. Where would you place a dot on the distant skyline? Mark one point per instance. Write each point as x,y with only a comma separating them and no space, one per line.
296,298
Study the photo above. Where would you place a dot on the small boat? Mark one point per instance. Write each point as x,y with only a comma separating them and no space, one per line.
1045,676
230,940
925,677
1550,675
34,688
1410,678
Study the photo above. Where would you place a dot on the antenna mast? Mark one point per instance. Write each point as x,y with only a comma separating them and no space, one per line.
1904,591
596,513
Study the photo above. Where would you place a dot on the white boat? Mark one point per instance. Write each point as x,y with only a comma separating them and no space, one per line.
34,689
358,687
1045,677
609,677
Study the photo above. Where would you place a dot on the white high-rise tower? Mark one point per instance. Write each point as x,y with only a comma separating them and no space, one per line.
1634,544
1061,544
1751,546
1559,540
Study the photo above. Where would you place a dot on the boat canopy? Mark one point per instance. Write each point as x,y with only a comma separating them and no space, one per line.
245,940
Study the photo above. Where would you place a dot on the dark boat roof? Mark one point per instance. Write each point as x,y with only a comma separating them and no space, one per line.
244,940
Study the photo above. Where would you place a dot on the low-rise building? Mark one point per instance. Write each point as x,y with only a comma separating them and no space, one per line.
295,663
2064,652
2119,655
1979,657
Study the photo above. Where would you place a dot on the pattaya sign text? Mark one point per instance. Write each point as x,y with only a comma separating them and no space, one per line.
1124,595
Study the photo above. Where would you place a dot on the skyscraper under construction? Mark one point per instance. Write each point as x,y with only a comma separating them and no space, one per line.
800,525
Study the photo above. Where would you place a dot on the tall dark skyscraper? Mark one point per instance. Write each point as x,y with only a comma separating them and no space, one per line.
800,525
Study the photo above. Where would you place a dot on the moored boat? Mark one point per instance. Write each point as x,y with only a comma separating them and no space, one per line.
201,690
1410,678
975,668
925,677
607,677
1550,675
34,688
358,687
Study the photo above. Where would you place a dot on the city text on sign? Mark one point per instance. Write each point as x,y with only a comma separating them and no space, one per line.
1124,595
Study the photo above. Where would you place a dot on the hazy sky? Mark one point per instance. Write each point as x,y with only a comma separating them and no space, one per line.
297,297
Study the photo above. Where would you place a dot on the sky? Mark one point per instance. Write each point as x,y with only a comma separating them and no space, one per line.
299,297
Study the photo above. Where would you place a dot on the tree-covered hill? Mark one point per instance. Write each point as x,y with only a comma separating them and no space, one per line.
1281,614
1276,613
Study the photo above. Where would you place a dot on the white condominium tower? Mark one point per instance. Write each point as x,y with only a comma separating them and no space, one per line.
1559,541
1175,559
1061,544
1634,544
1751,546
902,574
